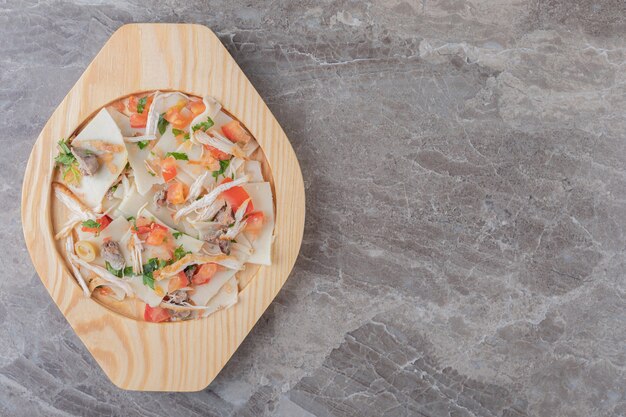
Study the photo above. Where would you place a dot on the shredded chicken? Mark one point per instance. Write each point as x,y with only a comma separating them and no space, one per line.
209,198
196,186
219,142
135,248
106,275
78,209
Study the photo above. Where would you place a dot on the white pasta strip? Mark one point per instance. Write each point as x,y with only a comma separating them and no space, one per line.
69,247
209,198
133,139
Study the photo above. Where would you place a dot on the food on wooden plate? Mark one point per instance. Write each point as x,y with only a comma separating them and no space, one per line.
165,205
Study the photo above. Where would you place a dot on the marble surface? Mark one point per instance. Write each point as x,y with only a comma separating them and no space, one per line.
464,251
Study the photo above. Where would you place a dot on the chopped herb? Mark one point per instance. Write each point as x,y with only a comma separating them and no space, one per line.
233,241
64,148
154,264
223,167
180,252
177,132
91,224
151,173
162,125
178,155
143,143
203,125
177,234
141,104
119,272
116,272
148,280
130,218
186,137
66,158
232,176
113,188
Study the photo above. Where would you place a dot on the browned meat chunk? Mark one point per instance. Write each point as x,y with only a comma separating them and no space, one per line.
87,161
112,254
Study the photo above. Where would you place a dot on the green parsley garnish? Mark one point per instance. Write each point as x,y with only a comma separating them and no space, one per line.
177,132
177,234
162,125
178,155
130,218
180,252
223,166
148,280
143,143
91,224
148,269
186,137
141,104
128,271
203,125
66,158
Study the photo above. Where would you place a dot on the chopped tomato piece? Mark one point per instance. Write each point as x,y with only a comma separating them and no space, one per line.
179,117
254,222
139,120
168,168
235,132
142,225
176,193
204,273
103,221
155,314
157,235
132,104
196,107
177,282
216,153
236,196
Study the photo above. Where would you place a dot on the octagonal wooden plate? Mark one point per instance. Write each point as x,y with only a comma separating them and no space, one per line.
179,356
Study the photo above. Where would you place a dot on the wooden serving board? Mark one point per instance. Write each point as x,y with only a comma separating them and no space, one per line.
178,356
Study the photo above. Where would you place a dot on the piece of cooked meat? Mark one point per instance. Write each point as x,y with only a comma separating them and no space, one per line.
87,161
224,245
190,271
112,254
160,198
225,215
178,297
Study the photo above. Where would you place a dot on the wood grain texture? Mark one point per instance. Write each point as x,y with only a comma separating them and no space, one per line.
180,356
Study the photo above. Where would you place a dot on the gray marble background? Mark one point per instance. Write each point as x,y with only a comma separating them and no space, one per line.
464,163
